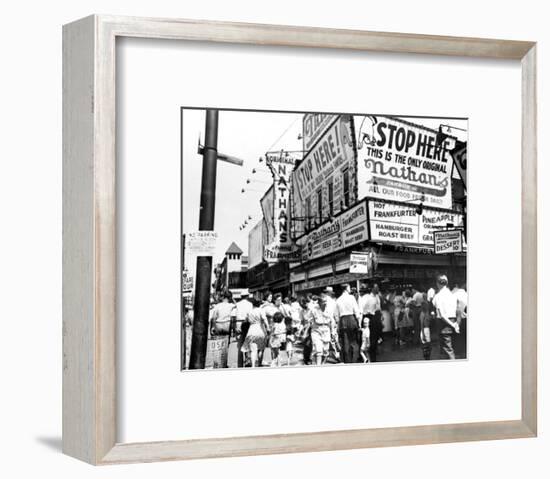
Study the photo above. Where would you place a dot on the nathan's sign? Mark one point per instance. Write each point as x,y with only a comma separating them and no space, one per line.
345,230
333,151
447,241
313,126
399,224
405,162
281,246
290,253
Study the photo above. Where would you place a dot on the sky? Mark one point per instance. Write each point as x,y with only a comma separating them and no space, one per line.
248,136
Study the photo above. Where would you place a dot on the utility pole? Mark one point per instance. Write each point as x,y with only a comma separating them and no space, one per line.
203,278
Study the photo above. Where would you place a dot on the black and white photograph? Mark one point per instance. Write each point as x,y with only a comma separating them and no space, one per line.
316,239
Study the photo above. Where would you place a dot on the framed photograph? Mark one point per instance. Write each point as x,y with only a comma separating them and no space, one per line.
283,239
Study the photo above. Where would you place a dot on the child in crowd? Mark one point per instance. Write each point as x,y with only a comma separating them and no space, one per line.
365,339
277,338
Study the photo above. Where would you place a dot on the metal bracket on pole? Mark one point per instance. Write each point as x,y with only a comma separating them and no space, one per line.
223,157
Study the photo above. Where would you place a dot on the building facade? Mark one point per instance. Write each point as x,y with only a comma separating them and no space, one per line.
373,185
231,273
379,186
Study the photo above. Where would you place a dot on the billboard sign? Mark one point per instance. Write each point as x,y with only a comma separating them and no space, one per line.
333,152
399,224
313,127
345,230
402,161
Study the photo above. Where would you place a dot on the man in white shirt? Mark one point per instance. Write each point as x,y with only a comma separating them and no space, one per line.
445,305
330,302
462,302
348,317
461,316
372,318
220,323
242,308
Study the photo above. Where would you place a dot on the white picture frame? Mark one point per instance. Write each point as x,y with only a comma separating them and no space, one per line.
89,239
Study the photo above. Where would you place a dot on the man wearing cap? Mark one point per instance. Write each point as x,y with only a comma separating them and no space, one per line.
348,316
445,304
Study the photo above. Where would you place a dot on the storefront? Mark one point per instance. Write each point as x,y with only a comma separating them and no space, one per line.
394,270
398,237
274,278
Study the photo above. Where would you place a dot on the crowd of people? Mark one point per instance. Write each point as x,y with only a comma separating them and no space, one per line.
347,328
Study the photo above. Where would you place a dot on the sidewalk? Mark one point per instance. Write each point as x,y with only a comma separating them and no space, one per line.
388,351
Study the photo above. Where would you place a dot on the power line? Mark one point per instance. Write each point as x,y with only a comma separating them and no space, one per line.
284,133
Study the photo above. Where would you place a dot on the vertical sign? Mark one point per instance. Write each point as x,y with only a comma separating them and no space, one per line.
281,248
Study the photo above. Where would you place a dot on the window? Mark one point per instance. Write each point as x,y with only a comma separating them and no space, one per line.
320,204
331,198
345,191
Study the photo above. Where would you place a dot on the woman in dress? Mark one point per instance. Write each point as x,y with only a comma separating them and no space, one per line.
268,307
322,327
256,338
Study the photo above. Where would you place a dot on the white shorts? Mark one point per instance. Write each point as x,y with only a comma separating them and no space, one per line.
319,346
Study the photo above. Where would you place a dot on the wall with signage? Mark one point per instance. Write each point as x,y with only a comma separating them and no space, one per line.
401,161
347,229
447,241
393,223
329,153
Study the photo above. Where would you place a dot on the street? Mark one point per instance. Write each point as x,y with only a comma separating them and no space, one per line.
388,351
